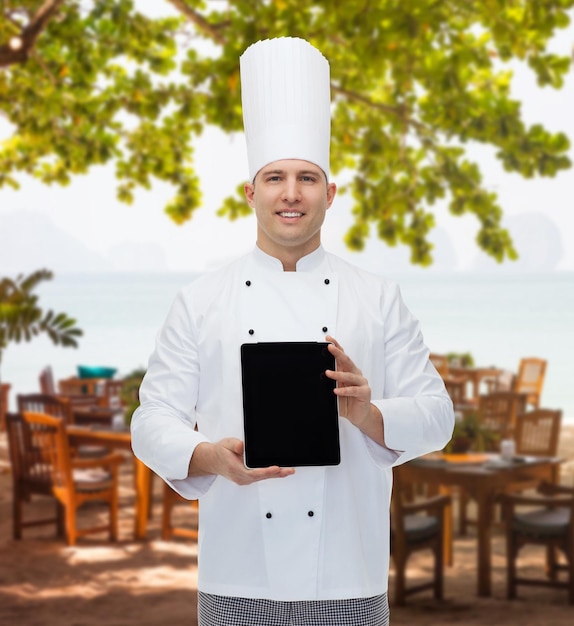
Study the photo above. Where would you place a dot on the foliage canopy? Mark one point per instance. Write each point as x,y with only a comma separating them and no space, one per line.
22,319
413,81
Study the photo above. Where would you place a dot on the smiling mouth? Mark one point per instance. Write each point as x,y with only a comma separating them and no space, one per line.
290,214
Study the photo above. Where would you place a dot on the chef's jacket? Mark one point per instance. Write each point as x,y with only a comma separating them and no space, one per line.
324,532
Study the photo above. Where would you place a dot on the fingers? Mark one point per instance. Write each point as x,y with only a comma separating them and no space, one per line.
344,362
234,445
263,473
233,467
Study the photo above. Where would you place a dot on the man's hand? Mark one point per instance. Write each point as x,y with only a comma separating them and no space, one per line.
225,458
354,394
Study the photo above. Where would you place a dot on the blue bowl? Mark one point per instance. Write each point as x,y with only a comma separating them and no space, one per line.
85,371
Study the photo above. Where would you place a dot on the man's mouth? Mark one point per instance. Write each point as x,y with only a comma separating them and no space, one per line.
290,214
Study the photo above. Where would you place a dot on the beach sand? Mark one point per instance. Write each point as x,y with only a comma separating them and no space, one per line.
44,582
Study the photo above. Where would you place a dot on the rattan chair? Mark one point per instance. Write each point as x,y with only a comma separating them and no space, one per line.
530,379
538,432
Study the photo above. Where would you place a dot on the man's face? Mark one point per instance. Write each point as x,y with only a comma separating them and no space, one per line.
290,198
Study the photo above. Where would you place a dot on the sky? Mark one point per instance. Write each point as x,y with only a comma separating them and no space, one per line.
83,227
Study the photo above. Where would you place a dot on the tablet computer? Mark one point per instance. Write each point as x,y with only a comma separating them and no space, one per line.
290,415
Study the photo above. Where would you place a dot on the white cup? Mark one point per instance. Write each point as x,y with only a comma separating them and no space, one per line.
507,449
118,421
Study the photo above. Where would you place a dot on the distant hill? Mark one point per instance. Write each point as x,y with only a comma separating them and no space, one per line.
29,240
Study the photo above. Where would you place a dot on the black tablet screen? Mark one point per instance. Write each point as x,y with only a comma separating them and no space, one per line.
289,408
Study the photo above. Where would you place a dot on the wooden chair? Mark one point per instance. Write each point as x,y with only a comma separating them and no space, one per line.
455,385
75,481
498,412
45,403
416,525
549,524
440,362
74,386
530,379
170,500
537,432
112,391
4,391
61,407
47,385
71,393
30,476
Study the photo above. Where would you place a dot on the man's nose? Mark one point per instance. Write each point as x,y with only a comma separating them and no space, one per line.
291,191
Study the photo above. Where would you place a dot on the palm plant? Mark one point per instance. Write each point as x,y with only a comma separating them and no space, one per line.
21,319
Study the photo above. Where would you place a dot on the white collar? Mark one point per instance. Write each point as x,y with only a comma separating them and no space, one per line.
308,263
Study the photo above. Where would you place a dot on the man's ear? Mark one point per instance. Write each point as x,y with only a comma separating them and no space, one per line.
331,193
249,190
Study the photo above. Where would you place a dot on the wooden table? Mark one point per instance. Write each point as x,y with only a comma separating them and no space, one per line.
93,415
482,479
120,439
474,376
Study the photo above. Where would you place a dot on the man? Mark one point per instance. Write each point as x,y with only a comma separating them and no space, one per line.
282,545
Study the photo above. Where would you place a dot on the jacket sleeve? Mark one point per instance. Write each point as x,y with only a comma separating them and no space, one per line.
417,410
163,426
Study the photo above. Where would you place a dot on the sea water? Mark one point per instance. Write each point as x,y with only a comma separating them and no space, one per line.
498,319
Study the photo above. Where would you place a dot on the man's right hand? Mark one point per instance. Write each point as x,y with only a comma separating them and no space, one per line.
225,458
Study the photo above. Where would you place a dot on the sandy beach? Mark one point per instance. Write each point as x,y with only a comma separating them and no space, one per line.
44,582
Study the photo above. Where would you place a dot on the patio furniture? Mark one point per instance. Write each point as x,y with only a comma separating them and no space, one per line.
75,481
484,477
538,432
121,440
172,499
4,391
45,403
74,386
549,524
46,378
530,379
455,385
30,477
477,379
58,407
74,395
416,525
497,411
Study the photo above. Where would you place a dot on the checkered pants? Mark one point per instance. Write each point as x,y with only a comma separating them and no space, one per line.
227,611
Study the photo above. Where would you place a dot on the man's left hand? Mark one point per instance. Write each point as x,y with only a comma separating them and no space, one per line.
354,394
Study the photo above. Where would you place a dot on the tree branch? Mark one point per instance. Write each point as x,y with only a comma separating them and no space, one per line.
400,111
20,46
198,19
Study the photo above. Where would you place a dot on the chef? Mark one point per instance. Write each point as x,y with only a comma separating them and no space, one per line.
284,545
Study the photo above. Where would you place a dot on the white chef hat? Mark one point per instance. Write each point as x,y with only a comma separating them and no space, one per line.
285,93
